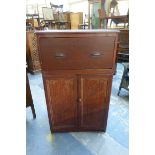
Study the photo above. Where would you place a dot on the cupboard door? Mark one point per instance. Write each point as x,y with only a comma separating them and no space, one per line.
61,92
94,95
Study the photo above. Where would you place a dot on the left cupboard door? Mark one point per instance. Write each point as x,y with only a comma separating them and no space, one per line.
61,95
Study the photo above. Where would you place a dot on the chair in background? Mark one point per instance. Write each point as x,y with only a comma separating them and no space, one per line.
49,20
32,17
59,16
114,11
123,46
125,78
85,24
113,15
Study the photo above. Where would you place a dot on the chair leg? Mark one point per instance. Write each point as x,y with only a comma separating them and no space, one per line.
100,21
33,111
119,91
122,79
110,23
106,23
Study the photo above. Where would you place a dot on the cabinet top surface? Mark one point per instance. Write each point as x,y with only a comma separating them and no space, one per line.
78,31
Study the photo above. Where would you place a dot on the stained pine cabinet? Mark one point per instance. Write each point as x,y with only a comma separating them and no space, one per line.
77,68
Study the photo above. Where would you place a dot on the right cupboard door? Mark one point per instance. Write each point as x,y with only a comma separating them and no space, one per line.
94,95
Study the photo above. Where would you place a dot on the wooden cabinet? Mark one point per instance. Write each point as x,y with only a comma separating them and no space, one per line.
77,68
76,19
66,16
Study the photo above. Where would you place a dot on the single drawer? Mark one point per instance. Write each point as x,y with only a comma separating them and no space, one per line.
92,52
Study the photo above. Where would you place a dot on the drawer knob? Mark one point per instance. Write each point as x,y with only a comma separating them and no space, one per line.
95,54
59,55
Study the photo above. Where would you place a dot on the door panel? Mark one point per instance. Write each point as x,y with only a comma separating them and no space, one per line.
62,101
94,101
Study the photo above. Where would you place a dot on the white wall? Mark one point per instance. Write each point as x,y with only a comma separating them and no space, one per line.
123,7
35,6
32,4
60,2
78,6
68,5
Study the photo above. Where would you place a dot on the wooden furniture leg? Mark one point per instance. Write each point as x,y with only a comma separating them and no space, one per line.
33,111
29,100
124,84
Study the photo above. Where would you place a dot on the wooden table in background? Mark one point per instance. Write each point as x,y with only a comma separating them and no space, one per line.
119,19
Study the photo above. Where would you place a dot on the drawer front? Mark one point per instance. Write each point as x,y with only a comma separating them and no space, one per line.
95,52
